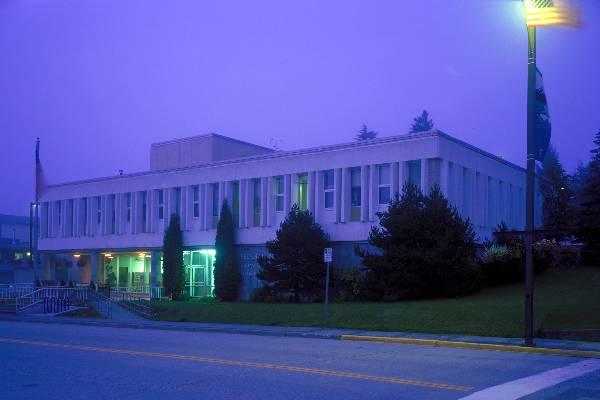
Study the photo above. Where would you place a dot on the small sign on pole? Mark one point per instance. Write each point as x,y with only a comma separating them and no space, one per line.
327,258
328,254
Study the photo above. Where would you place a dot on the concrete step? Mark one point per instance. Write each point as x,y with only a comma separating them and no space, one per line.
8,308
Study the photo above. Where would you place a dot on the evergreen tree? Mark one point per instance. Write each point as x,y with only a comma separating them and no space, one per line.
589,217
422,123
425,250
227,271
173,275
295,265
365,134
554,187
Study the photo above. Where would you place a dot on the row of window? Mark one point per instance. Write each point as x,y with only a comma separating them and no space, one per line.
300,194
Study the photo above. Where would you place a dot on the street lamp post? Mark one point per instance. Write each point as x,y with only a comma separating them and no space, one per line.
530,195
537,13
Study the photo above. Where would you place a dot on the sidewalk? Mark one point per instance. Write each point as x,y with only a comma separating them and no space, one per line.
125,320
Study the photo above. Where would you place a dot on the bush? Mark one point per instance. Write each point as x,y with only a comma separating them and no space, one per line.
545,254
426,250
569,256
502,264
294,268
347,283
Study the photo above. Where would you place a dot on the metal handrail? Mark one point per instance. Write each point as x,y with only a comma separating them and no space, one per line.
101,303
133,303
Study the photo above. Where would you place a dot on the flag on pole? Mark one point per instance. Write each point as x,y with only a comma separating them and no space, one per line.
40,181
550,12
543,128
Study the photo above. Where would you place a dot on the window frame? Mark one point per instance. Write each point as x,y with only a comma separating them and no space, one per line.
383,186
329,189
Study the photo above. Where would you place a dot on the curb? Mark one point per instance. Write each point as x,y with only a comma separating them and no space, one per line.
475,346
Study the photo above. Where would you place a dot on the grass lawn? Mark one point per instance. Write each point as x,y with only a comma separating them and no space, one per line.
564,299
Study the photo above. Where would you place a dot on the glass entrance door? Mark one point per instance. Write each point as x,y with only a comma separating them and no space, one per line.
199,272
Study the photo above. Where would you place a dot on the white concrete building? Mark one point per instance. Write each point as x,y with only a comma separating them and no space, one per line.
116,224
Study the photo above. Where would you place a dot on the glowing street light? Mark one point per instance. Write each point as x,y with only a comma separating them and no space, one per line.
537,13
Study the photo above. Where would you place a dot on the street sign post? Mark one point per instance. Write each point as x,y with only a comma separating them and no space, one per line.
327,258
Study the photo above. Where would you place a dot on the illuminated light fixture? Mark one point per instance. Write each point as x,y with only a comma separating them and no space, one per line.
109,255
148,256
141,254
211,252
28,254
550,12
76,255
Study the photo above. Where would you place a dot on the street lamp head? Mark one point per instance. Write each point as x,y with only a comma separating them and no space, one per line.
550,12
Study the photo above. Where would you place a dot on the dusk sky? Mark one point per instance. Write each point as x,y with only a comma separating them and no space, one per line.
99,80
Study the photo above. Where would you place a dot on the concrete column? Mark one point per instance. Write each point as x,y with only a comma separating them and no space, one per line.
95,266
444,181
342,194
364,192
373,189
74,273
270,206
311,191
155,278
395,186
425,176
50,267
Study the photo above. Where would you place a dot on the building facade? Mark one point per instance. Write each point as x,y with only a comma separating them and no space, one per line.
111,229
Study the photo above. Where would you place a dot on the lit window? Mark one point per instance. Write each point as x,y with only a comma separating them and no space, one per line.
196,201
303,191
328,188
278,193
383,171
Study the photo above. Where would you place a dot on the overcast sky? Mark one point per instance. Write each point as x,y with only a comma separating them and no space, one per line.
99,80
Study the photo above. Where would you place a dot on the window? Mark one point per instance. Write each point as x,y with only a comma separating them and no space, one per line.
128,206
196,201
98,210
278,193
256,187
235,203
414,172
355,194
383,172
59,212
144,201
328,188
84,216
177,201
161,204
303,191
215,199
113,214
71,217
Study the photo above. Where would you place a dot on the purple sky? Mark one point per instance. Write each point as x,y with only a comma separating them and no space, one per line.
99,80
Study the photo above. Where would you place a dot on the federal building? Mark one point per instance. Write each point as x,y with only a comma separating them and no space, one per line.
115,225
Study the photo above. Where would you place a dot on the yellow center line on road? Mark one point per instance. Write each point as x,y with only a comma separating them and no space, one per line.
239,363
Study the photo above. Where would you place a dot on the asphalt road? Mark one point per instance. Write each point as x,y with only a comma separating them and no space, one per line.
52,361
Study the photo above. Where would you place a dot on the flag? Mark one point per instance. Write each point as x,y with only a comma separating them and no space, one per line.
550,12
543,127
40,181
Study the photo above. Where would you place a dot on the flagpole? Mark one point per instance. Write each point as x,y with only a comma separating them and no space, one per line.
530,195
36,207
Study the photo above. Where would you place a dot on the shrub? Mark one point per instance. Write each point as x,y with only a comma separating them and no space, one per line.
502,264
173,260
347,284
295,268
545,254
426,250
227,270
569,256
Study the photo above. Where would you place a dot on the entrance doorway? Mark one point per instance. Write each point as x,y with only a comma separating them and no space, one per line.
199,272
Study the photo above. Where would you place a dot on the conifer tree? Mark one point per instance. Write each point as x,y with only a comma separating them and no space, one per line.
173,274
227,270
557,212
426,249
365,134
422,123
295,265
589,217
